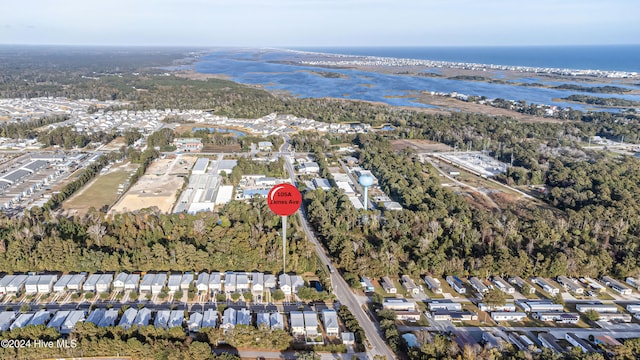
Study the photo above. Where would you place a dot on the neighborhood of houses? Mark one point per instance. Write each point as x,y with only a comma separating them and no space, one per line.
206,284
303,324
530,303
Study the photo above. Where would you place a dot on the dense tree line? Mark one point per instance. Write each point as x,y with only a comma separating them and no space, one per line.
244,237
68,137
86,175
439,232
248,167
89,340
595,100
162,139
28,129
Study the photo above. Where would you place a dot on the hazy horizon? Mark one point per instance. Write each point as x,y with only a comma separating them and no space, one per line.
314,23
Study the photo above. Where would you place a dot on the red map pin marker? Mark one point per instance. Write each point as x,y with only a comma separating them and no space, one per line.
284,199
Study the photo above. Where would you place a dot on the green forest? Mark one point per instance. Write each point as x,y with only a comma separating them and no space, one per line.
593,232
245,237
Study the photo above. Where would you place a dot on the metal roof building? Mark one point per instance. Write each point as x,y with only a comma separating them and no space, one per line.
45,283
263,318
310,323
96,316
58,319
194,322
599,308
174,282
297,323
175,318
243,317
210,318
15,176
570,284
61,284
104,283
158,283
40,318
433,284
143,317
330,322
21,321
478,285
226,166
132,282
409,285
503,286
202,284
215,282
17,284
119,281
75,283
6,318
162,319
90,284
109,318
128,317
4,282
200,167
31,284
71,320
186,281
277,321
35,165
147,281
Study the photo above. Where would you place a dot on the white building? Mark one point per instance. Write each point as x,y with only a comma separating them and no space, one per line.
147,280
546,286
330,322
503,286
132,282
409,285
174,282
433,284
508,316
61,284
310,323
118,283
297,323
202,284
159,282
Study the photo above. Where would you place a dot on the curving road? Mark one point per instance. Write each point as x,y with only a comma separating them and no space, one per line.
341,288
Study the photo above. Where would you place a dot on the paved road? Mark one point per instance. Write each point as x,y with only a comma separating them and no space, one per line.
342,289
289,355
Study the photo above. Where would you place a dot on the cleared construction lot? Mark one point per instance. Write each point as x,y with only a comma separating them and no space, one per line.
102,191
158,187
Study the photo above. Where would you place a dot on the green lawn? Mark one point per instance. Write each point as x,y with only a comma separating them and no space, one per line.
100,192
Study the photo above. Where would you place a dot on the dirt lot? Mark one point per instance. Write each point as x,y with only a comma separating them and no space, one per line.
115,144
421,146
210,148
158,186
102,191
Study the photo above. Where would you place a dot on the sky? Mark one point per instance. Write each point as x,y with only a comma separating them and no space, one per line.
290,23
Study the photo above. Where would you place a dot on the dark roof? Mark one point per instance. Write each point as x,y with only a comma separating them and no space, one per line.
15,176
36,165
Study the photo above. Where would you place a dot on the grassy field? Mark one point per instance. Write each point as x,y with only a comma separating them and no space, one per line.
100,192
